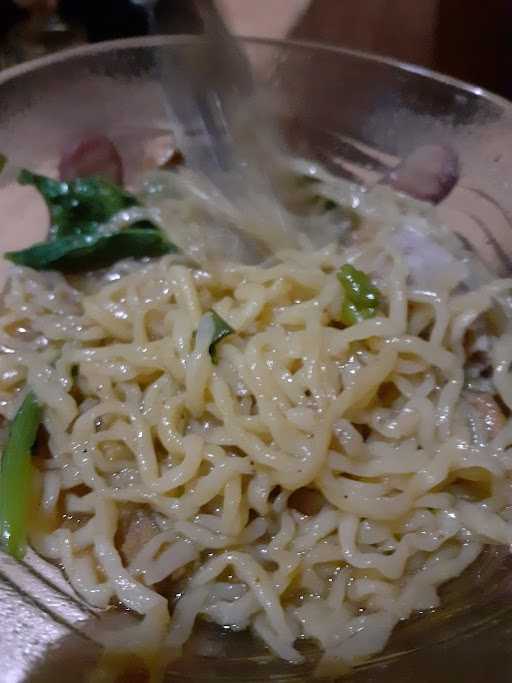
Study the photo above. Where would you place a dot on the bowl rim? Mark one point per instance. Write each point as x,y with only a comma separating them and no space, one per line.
182,39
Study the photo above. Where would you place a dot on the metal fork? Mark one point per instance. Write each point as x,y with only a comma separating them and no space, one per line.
227,132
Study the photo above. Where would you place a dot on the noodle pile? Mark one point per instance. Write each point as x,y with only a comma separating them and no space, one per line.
318,482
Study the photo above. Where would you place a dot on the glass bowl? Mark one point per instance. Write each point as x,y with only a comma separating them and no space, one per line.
358,114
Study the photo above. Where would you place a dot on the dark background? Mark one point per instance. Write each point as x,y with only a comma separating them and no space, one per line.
469,39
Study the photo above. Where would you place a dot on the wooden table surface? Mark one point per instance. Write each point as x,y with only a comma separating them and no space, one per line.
469,39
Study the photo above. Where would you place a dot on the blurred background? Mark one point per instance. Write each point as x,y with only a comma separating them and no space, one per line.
469,39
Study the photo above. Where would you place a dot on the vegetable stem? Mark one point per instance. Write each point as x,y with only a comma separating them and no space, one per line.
16,477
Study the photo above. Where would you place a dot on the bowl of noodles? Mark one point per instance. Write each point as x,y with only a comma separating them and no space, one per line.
222,467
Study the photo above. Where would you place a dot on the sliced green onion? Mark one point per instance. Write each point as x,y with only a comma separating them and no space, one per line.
212,329
16,477
361,297
325,204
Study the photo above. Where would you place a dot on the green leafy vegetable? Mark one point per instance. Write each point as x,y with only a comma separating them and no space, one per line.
86,252
79,206
16,477
78,209
212,329
361,297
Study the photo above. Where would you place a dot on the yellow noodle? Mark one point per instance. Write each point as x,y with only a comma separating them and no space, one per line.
311,483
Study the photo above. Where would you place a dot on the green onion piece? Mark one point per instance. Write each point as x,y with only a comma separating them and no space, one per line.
16,477
221,329
361,297
324,204
212,329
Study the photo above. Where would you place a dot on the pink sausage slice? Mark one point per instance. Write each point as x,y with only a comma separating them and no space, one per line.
429,173
95,156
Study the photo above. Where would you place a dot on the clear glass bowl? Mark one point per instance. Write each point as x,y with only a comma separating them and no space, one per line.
359,114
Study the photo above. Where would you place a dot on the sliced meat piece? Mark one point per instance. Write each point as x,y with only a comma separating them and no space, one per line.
136,528
485,416
428,174
95,156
